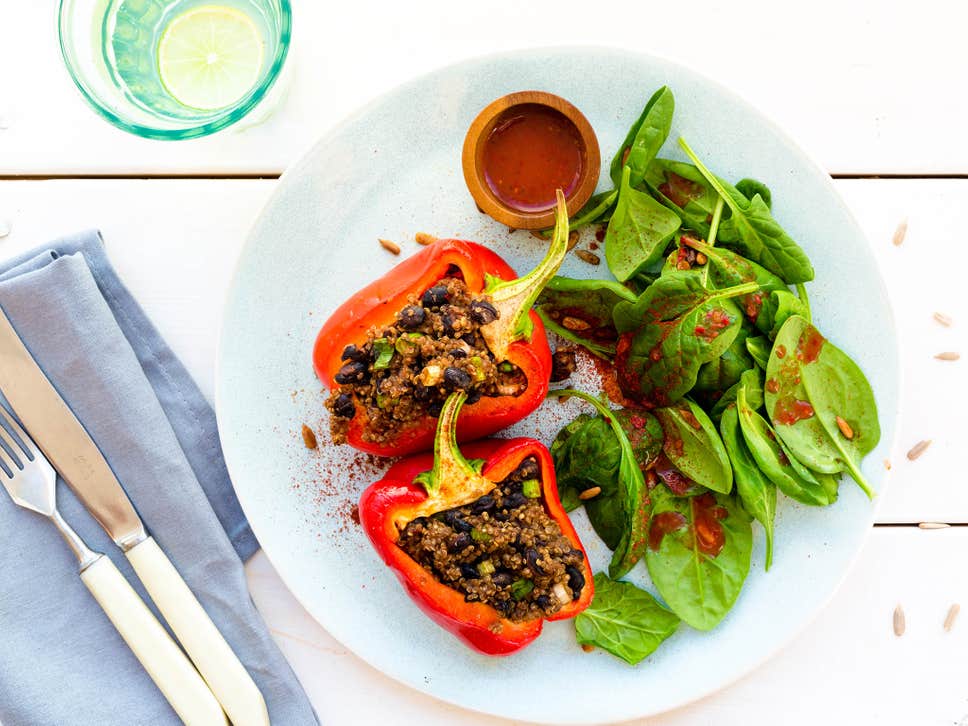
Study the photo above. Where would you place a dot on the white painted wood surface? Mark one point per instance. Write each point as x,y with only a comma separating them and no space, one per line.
871,86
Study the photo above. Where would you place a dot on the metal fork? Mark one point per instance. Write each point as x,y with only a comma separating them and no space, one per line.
32,483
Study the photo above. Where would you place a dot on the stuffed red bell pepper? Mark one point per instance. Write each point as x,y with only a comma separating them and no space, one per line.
452,317
483,545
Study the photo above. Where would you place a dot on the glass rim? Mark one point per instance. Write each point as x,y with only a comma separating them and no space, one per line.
189,132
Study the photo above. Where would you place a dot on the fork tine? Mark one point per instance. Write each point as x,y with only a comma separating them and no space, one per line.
9,449
26,444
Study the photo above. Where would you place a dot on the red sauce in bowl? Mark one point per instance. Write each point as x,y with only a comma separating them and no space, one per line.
531,151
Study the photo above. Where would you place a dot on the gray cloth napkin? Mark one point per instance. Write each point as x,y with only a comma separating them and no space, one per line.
61,661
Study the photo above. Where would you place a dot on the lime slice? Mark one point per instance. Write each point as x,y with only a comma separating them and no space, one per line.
210,56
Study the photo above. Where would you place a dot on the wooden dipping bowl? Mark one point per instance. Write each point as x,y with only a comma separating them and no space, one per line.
476,141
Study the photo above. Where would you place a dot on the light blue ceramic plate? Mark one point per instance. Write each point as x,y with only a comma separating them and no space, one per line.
393,169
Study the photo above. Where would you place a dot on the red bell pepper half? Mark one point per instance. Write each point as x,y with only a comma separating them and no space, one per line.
422,485
518,334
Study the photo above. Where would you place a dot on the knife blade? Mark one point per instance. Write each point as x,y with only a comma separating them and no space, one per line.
65,442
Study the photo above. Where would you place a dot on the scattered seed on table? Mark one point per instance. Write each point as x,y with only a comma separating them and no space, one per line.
948,355
390,246
887,464
309,438
425,239
918,449
898,621
845,428
943,319
949,621
572,239
590,257
588,647
900,233
563,399
590,493
570,322
934,525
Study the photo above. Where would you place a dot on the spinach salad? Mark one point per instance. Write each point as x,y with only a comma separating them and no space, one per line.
731,394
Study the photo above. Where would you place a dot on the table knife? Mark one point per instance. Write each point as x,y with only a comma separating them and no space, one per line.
75,456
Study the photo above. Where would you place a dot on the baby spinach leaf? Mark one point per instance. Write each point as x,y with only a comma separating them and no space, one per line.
723,372
674,327
783,304
752,229
638,232
694,447
645,138
752,381
810,383
759,349
757,493
624,620
773,461
684,190
632,491
581,311
749,188
699,554
596,210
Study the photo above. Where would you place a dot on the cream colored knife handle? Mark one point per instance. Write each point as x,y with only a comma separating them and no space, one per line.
215,660
164,661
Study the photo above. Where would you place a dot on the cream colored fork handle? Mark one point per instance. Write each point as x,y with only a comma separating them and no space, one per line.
213,657
166,664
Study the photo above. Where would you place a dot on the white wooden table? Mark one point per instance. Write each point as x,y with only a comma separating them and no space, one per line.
874,89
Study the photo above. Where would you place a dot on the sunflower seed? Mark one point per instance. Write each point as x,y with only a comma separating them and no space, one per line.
425,239
845,428
590,257
572,239
569,322
587,647
309,438
918,449
900,233
943,319
390,246
898,621
949,621
948,356
590,493
887,464
934,525
563,398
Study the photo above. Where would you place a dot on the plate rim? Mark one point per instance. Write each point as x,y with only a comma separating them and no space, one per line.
302,159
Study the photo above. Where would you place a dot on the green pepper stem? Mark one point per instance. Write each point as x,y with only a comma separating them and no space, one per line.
515,298
454,481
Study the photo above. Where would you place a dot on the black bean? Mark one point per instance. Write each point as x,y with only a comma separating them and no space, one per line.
543,602
576,581
351,372
504,606
456,378
484,504
483,312
527,469
473,397
435,408
455,521
502,579
343,406
351,352
460,543
469,572
470,339
532,556
579,554
457,353
411,317
515,500
435,296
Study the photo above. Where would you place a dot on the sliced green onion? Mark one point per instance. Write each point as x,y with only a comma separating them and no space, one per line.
407,344
485,567
531,488
384,353
479,535
478,364
383,401
520,589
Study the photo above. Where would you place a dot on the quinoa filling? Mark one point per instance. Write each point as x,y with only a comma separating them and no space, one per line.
406,370
503,549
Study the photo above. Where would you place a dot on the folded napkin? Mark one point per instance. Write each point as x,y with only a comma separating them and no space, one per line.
61,661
